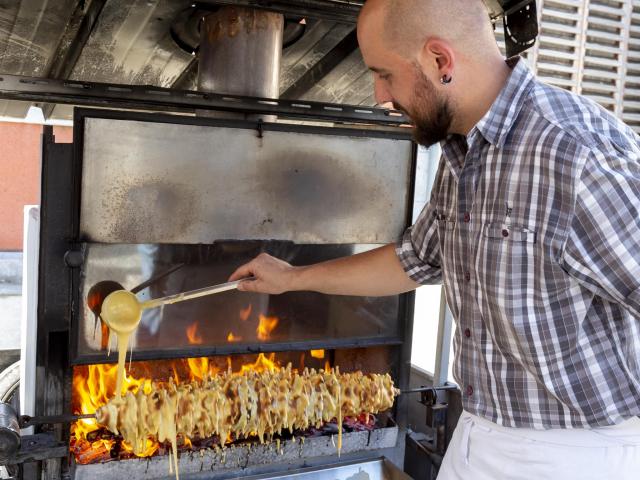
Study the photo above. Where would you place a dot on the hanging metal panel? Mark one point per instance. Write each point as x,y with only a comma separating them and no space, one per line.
152,182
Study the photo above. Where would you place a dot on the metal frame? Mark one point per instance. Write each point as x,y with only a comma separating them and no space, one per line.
53,373
58,277
16,87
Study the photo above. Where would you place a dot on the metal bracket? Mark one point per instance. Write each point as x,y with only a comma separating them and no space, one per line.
40,446
260,128
436,416
520,26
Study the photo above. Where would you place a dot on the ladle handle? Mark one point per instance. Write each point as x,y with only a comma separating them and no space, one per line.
200,292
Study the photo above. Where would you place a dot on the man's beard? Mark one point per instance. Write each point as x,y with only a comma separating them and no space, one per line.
430,113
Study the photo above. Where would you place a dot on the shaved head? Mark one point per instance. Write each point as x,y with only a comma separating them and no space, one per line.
465,24
436,60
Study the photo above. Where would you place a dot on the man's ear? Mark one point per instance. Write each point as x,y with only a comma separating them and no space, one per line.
437,58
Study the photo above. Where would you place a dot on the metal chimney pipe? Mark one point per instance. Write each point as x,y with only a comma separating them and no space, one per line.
240,52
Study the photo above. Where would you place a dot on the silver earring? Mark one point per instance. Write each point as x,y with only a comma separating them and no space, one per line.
446,79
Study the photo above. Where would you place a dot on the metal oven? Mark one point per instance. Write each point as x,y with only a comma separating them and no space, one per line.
162,204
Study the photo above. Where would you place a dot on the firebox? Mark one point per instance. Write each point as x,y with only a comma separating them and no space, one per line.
162,204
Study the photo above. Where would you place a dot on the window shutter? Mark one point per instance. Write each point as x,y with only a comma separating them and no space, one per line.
631,99
591,47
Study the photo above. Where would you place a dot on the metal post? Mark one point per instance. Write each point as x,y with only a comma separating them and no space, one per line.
445,322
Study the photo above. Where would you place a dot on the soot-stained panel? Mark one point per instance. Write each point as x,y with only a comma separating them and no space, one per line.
29,34
131,44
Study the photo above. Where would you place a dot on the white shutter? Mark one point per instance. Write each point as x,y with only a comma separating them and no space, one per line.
591,47
604,50
631,99
555,57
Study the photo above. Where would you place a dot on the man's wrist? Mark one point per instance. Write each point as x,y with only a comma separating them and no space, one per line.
298,279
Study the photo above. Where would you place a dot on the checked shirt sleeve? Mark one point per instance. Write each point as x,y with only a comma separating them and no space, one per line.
419,251
602,250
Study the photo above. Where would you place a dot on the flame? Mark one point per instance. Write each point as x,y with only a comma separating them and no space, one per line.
245,312
193,335
317,354
232,338
91,390
262,364
198,368
327,366
266,326
93,386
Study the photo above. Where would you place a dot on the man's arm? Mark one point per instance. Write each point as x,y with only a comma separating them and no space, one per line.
387,270
377,272
602,249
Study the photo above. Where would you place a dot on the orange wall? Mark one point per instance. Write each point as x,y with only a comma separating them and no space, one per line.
20,176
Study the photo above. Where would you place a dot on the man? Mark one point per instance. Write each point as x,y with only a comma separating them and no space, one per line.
533,227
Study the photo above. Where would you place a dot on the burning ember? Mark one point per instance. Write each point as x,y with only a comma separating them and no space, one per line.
317,354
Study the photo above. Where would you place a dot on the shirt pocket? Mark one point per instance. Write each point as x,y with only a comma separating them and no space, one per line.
445,223
509,233
507,267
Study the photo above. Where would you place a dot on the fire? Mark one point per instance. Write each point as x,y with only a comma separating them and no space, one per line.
194,337
317,354
199,368
266,326
232,338
245,312
262,364
93,385
92,392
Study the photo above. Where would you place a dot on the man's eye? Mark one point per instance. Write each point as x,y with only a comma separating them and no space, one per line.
386,76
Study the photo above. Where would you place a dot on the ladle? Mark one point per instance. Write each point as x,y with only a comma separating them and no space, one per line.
122,310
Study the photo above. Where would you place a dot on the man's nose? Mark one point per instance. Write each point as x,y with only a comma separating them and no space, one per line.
381,94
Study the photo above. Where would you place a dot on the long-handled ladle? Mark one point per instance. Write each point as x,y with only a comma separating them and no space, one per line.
121,310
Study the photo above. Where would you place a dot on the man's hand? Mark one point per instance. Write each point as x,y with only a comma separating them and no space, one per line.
374,273
272,275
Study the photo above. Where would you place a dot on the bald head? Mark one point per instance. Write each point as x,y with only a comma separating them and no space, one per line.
407,24
436,60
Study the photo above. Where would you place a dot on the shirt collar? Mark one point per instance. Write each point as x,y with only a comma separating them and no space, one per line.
499,120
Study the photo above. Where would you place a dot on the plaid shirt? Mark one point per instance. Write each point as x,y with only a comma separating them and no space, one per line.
533,226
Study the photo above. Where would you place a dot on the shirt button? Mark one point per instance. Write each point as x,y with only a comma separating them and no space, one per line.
505,233
467,217
469,390
467,332
467,276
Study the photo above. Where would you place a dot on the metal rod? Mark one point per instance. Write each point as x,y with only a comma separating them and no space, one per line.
28,421
200,292
156,278
428,389
332,10
17,87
